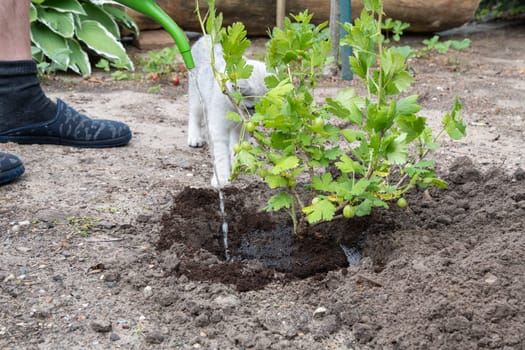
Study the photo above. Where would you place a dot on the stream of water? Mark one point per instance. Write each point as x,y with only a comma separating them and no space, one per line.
224,226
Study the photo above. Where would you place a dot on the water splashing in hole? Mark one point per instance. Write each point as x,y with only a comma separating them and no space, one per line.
353,255
224,226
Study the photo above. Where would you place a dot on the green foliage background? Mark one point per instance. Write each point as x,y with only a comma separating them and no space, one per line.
499,8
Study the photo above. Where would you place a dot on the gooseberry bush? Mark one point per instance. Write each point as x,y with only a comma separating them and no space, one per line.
341,156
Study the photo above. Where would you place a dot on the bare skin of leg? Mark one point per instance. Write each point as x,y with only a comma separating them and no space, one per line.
14,30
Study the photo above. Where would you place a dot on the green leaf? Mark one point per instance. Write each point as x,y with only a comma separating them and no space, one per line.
359,187
247,160
408,105
52,45
285,164
233,116
348,165
60,23
275,181
407,51
373,5
396,150
100,40
352,135
72,6
235,42
97,14
279,201
122,17
436,182
364,208
392,63
401,81
411,125
453,122
323,183
379,120
79,60
346,106
460,45
33,16
281,90
323,210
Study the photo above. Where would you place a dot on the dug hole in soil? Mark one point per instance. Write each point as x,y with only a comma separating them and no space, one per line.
122,248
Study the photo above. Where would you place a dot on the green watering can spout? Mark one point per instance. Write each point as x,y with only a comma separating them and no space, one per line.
151,9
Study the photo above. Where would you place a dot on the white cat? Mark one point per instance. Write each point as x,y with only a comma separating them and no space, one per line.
206,101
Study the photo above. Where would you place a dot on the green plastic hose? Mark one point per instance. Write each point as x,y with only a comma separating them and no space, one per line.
151,9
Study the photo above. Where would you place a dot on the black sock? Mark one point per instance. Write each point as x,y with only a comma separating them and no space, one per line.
22,100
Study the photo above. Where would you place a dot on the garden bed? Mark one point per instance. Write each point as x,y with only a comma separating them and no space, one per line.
114,248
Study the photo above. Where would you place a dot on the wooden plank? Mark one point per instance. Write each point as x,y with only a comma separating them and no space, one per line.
280,13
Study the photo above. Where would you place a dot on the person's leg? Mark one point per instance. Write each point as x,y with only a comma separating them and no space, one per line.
15,45
26,114
14,30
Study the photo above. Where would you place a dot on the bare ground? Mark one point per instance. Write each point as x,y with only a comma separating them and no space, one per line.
80,268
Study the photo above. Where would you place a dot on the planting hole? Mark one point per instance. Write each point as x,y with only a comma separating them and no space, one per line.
261,245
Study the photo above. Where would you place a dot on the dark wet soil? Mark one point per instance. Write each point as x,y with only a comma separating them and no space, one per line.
262,247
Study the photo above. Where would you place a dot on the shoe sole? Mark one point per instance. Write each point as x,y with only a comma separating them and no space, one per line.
12,174
33,140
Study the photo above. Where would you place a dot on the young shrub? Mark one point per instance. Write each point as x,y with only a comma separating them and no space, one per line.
344,156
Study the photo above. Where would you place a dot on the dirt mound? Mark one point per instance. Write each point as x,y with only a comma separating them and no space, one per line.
260,242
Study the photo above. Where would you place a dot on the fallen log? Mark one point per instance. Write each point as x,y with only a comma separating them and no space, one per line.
259,15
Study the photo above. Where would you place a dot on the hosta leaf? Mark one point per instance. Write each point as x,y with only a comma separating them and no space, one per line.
37,54
100,40
95,13
52,45
60,23
72,6
104,2
79,60
32,13
122,17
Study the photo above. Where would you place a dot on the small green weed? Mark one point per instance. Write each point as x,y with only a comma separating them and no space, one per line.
83,224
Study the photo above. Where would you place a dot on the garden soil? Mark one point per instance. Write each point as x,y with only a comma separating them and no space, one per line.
122,248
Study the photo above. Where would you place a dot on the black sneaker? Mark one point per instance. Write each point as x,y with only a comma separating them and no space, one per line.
11,167
71,128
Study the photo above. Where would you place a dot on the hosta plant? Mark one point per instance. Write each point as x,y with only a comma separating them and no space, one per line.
64,33
341,156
